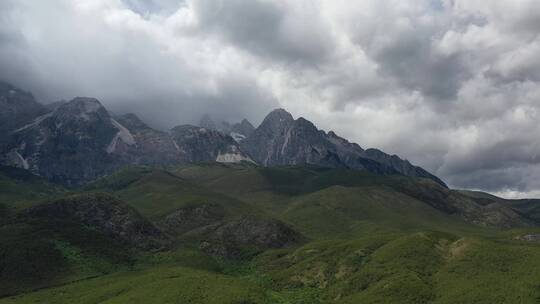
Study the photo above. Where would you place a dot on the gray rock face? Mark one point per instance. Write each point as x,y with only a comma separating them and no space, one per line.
403,167
204,145
68,145
244,128
80,141
105,214
269,139
152,147
282,140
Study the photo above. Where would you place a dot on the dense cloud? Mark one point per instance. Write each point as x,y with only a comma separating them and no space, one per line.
452,85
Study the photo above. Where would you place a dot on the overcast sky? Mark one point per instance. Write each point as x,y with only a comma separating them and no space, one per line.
451,85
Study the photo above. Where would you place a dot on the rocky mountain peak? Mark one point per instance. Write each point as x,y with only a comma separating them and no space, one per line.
81,108
278,116
246,122
244,128
274,124
305,124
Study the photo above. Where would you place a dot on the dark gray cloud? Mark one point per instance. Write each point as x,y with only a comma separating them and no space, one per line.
269,29
452,85
402,46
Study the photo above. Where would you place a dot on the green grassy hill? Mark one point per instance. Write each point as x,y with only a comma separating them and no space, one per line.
157,193
245,234
20,189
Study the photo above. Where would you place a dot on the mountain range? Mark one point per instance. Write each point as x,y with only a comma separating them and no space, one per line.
75,142
97,207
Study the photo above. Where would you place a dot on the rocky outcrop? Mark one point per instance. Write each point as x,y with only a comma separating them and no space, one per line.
229,238
193,217
248,235
106,214
534,238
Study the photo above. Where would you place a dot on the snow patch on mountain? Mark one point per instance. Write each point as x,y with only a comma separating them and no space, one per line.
232,158
237,136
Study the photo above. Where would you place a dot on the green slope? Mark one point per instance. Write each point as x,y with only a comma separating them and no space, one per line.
38,253
410,268
370,239
157,193
347,212
20,189
156,285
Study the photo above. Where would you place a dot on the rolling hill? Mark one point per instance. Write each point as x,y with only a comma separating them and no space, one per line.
240,233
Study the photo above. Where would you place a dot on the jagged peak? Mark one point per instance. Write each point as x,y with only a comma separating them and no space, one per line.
245,128
304,123
82,107
278,116
280,112
332,136
246,122
85,104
